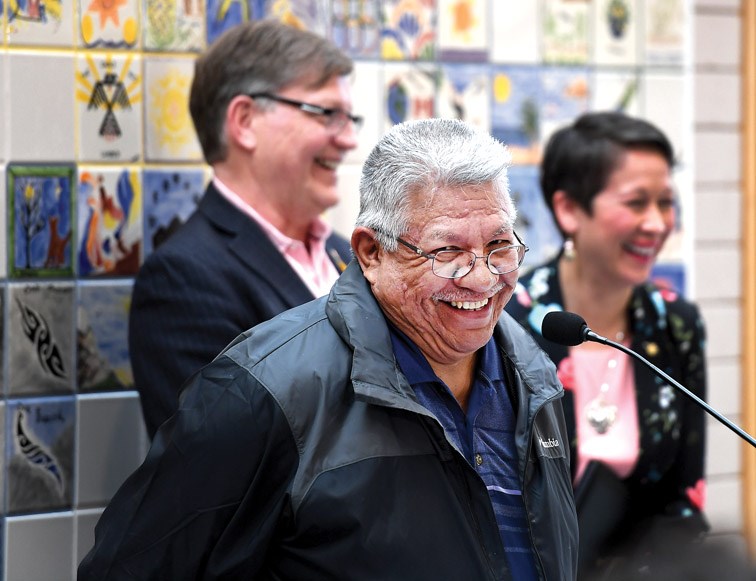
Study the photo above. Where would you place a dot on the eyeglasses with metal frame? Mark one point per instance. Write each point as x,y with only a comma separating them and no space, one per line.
334,119
458,263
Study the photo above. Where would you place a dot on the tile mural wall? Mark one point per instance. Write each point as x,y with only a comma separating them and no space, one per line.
100,165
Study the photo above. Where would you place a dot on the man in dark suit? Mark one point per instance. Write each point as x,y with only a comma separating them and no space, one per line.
272,109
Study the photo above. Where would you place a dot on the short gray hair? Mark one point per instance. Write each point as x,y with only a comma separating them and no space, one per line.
421,158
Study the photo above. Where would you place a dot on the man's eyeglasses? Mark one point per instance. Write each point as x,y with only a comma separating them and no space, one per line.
334,119
458,263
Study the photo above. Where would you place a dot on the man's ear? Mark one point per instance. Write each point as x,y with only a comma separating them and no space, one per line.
240,115
565,212
366,250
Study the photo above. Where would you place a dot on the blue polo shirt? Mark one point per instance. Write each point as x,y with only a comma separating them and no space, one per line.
484,435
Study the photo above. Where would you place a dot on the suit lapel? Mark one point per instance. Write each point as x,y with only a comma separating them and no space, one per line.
248,242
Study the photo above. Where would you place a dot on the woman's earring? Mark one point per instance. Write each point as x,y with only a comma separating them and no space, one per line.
569,248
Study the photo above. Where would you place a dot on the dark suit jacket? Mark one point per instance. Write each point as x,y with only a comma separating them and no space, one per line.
217,276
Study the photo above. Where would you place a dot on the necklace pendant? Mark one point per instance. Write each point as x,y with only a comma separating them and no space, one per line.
600,415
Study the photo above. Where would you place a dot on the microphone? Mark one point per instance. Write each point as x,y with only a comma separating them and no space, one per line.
570,329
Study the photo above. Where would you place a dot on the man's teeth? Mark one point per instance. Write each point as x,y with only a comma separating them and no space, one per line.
329,164
469,305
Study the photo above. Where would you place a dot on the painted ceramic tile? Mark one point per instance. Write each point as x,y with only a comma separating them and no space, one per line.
3,232
615,32
463,30
464,94
40,23
170,197
2,480
670,276
40,454
565,96
409,30
410,92
565,31
515,112
109,23
356,26
513,40
169,133
109,96
664,31
534,222
110,221
40,106
40,338
613,90
306,14
174,25
40,207
367,99
102,349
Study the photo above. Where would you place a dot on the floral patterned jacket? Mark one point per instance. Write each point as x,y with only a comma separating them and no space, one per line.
668,331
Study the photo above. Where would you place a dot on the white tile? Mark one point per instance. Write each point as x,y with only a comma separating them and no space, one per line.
724,505
723,329
38,130
717,157
368,101
717,274
723,447
717,40
717,98
109,444
663,98
40,547
724,386
4,107
514,38
718,215
85,525
343,215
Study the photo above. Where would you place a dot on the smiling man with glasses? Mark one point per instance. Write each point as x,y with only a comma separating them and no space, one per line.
272,107
401,428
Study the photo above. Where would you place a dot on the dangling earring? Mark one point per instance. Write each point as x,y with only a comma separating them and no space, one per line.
569,248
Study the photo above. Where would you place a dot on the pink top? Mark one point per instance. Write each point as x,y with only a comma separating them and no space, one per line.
605,402
312,265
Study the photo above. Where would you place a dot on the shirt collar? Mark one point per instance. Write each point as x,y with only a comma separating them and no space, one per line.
417,370
320,230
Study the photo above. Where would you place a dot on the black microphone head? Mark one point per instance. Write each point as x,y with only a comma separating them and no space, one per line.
564,328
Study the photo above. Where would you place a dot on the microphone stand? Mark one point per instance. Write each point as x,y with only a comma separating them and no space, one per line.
589,335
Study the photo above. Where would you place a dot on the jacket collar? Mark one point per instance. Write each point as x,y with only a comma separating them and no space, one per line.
356,316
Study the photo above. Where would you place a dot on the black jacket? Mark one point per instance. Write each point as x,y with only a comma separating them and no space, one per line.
301,452
216,277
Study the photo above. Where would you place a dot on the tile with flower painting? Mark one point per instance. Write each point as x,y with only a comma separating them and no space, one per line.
409,30
564,96
463,30
664,29
615,32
